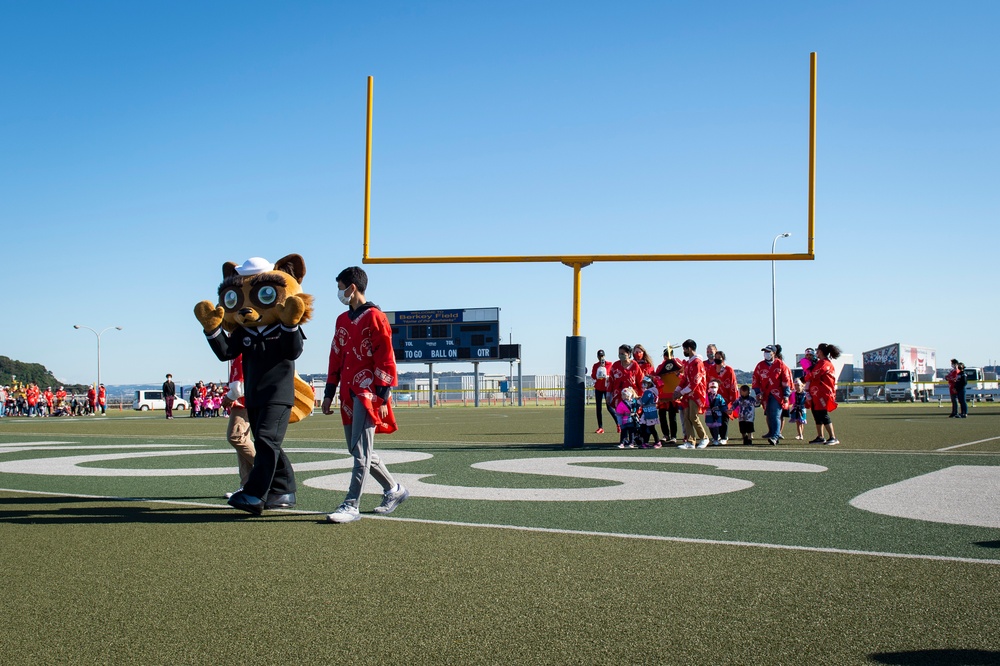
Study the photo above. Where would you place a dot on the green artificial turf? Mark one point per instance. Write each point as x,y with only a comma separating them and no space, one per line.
153,584
174,581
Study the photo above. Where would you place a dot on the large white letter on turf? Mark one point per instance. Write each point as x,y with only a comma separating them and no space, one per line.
74,465
960,495
628,484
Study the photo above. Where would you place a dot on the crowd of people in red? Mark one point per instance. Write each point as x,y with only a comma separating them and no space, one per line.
640,396
30,400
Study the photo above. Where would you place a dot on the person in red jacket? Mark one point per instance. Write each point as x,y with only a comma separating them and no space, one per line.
362,363
49,400
624,372
31,394
692,390
238,429
717,370
599,373
645,364
822,392
91,400
772,384
102,400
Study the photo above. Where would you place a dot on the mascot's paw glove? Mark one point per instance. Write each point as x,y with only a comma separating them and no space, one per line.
291,311
209,315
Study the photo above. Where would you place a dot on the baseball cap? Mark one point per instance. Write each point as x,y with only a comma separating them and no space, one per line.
769,348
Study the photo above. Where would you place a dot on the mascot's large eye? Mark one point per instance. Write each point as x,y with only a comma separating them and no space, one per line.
230,299
267,295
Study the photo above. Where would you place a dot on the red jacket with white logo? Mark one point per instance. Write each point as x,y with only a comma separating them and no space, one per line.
823,386
363,364
694,386
622,376
236,375
728,386
773,379
600,383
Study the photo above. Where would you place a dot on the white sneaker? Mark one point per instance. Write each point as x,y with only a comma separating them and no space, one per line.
723,442
686,445
701,444
392,499
345,513
238,490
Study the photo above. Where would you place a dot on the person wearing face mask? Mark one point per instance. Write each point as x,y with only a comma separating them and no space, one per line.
642,358
624,372
718,371
692,391
772,384
599,373
363,364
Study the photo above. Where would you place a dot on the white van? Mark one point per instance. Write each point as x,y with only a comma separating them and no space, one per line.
147,400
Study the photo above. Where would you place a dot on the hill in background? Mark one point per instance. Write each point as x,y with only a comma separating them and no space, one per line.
30,373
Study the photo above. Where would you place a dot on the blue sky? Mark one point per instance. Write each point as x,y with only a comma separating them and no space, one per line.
144,144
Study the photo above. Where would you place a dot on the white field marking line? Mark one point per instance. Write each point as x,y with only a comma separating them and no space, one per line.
222,437
548,530
958,446
588,448
714,542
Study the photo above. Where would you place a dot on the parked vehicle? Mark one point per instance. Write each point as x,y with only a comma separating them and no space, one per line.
905,386
978,387
907,371
147,400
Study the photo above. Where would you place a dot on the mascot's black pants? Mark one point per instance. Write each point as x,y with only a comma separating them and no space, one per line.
272,472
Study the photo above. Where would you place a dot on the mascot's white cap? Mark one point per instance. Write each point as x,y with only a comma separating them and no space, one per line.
255,266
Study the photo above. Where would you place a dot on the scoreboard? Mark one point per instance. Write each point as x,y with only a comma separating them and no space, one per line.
431,336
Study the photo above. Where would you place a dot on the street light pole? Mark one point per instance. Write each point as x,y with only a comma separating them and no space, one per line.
774,337
117,328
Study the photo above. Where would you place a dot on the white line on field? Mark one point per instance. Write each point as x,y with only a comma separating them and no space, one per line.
551,530
958,446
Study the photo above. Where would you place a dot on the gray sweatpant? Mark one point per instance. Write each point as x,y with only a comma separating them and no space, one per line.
360,436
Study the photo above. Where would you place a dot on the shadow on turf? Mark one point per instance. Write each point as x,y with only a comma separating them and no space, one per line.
67,511
937,657
987,544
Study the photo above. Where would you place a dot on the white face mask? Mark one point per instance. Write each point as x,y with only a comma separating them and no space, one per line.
768,356
346,300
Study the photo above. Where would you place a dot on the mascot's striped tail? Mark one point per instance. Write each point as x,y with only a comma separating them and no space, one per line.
304,400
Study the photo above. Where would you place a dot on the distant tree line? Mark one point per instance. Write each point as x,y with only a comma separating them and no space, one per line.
32,373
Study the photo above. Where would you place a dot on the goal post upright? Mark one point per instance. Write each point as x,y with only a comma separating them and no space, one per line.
811,177
575,343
